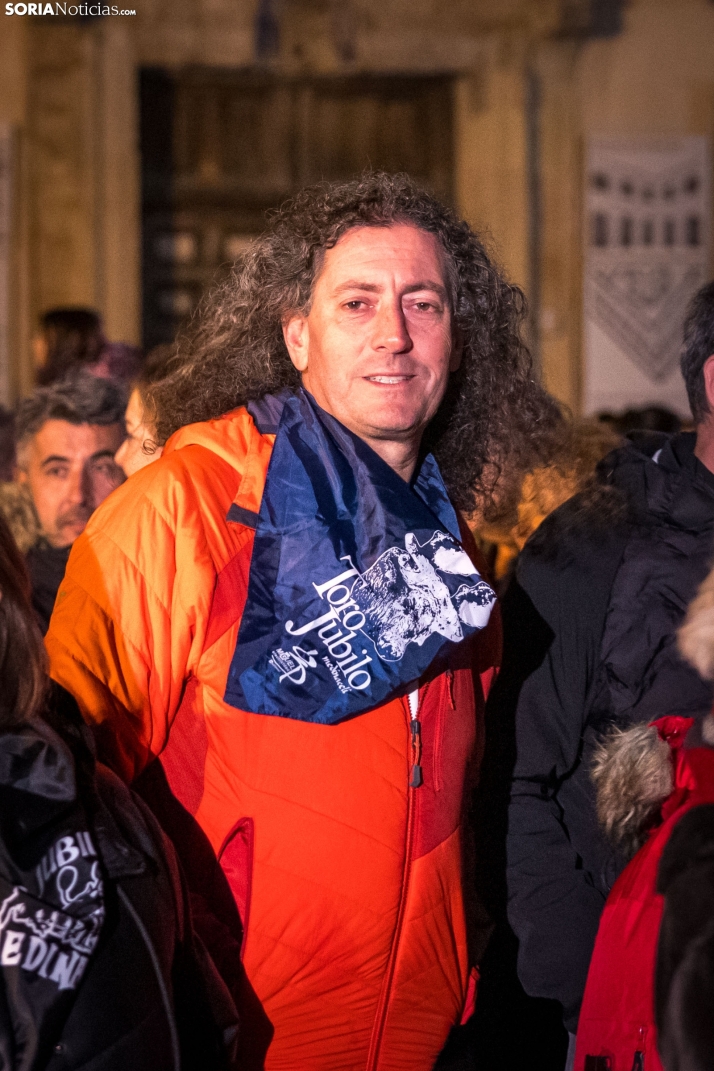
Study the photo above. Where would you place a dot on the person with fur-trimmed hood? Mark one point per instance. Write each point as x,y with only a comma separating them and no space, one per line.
684,982
590,623
650,987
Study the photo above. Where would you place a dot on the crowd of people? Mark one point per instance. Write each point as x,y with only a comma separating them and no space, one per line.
372,728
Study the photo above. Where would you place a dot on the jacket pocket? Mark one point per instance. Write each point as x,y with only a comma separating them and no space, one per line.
446,700
236,860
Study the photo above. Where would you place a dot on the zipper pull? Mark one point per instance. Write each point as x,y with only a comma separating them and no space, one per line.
450,686
638,1064
416,778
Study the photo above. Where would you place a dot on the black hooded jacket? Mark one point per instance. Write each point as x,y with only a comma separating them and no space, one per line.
99,967
589,641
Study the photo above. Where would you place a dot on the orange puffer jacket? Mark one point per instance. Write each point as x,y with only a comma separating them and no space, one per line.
348,881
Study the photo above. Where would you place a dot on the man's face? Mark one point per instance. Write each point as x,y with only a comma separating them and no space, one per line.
377,346
70,470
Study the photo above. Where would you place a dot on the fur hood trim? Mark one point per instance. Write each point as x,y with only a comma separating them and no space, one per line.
634,773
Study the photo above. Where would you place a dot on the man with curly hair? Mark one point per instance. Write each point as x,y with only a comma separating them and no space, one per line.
286,612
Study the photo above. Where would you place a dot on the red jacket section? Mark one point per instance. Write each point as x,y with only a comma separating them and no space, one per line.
348,882
617,1016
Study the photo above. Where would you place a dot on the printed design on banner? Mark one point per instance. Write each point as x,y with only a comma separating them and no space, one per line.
358,582
43,940
402,598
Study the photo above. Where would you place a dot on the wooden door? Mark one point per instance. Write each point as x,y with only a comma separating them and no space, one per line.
220,148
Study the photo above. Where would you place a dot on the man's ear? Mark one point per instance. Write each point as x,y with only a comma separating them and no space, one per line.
457,350
708,373
297,338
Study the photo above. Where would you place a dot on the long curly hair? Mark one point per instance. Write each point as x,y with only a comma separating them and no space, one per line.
495,418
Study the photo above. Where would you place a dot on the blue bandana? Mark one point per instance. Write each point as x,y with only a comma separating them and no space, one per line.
358,581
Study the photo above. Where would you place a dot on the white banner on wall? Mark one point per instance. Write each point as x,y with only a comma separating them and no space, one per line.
5,238
647,250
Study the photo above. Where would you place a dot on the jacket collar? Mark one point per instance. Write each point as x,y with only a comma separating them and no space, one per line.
662,479
34,760
39,784
241,440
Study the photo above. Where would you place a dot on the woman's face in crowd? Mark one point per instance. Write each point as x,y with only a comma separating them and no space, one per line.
131,455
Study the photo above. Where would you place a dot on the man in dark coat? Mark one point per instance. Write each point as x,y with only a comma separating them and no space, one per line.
589,641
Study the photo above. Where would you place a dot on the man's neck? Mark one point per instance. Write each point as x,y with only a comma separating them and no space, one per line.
704,448
400,456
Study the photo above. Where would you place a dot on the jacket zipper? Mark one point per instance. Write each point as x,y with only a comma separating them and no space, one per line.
415,779
415,729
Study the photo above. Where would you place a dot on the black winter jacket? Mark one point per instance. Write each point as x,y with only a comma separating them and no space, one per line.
99,967
46,566
589,640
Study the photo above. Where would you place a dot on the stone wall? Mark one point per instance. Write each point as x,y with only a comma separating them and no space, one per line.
527,95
